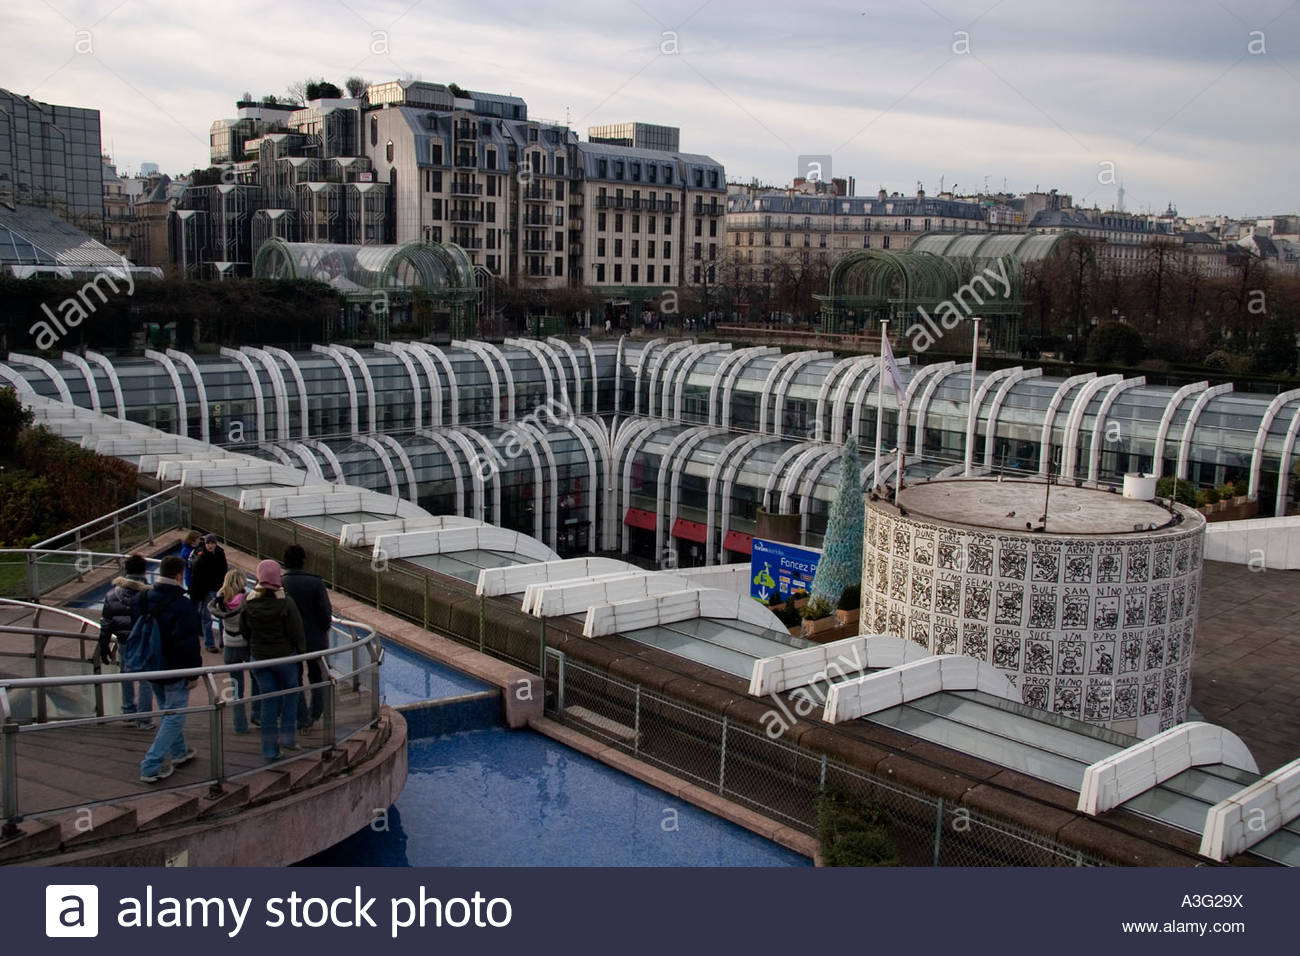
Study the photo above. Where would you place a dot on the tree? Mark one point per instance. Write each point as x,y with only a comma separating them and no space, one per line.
1115,343
455,90
297,91
14,417
841,563
356,86
322,90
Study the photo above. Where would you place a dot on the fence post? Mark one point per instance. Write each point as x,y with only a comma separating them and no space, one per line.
379,604
559,687
938,829
9,792
148,522
225,520
425,578
117,535
821,779
722,762
636,722
216,736
482,620
541,652
334,564
38,652
257,535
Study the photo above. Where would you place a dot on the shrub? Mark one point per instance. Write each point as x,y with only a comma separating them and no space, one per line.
817,609
851,598
1184,493
789,616
799,595
1241,488
775,599
853,831
1226,490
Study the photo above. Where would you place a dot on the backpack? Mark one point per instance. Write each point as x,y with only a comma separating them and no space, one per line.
146,640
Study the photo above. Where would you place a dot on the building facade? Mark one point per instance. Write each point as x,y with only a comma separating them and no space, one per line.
637,136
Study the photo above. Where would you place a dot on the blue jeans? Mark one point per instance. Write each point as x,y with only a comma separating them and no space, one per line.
130,653
170,740
238,713
279,714
208,620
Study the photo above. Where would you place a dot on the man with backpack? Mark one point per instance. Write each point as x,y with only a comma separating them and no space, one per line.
208,569
168,628
121,608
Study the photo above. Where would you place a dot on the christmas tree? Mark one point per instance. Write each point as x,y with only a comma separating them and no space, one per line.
841,563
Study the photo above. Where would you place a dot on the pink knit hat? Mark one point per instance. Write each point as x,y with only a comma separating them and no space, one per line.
268,574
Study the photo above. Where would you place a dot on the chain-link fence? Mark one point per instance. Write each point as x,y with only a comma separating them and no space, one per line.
780,780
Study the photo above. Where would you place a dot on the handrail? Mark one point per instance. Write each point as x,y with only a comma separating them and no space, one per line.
112,514
79,554
66,612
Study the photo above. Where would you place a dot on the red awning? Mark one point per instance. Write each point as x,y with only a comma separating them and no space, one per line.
739,542
690,530
637,518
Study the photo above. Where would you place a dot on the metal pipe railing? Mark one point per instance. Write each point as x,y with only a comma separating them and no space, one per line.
79,531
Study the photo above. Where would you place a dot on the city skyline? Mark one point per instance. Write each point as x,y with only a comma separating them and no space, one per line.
1068,98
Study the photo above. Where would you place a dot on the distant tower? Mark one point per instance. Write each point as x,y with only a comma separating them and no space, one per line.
1119,198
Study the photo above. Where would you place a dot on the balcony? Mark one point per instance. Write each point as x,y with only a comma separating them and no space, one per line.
466,160
466,189
543,272
575,222
537,220
466,130
546,246
537,193
713,209
465,215
466,242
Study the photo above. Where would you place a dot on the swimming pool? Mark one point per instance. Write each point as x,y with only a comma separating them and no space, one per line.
498,797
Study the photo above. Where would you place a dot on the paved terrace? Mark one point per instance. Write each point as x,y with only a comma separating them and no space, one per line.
1246,672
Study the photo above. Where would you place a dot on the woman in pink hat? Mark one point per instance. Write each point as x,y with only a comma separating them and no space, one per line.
273,628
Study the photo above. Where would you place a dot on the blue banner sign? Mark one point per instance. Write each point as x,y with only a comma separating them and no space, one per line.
781,568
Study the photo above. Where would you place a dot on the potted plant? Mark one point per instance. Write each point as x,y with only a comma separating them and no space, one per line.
847,610
818,616
799,598
775,602
792,620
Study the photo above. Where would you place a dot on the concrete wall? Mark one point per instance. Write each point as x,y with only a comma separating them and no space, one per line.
1263,543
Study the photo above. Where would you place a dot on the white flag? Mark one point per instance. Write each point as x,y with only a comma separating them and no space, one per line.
891,368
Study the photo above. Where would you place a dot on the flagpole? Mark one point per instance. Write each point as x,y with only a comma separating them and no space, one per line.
970,404
880,398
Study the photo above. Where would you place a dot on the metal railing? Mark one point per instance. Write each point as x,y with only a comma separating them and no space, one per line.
780,780
84,746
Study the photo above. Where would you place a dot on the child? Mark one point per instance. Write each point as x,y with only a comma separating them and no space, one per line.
226,606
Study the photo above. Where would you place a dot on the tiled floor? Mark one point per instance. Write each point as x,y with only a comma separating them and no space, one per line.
1246,671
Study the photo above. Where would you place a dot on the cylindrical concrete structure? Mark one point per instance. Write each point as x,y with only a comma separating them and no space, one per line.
1091,613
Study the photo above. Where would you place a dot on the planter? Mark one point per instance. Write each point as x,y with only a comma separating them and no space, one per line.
847,617
819,625
796,631
800,602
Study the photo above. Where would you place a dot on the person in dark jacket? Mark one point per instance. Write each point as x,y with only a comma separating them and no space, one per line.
121,608
273,628
208,572
308,592
179,624
190,545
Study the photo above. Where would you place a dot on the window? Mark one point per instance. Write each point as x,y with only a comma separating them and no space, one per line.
437,180
698,251
651,175
650,224
668,226
602,170
374,131
907,225
695,275
668,254
491,185
559,266
650,270
600,221
636,248
666,276
636,178
600,246
618,272
713,227
559,189
699,179
559,241
559,165
600,272
786,237
713,179
668,174
636,223
618,222
884,243
618,248
927,225
699,227
490,157
532,135
634,272
435,153
388,151
713,253
437,209
618,169
649,250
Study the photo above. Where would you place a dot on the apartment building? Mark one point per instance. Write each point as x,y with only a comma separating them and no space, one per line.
117,209
637,136
767,227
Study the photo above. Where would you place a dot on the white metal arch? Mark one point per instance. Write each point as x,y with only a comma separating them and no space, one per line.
200,390
111,371
1185,442
1049,417
678,455
49,371
394,488
417,393
477,350
595,377
990,437
1074,421
618,375
913,389
859,404
638,439
739,445
366,380
1284,471
668,354
812,473
431,379
774,375
600,438
552,498
562,346
535,350
72,358
395,448
832,386
19,383
630,428
528,443
280,454
338,359
485,453
295,370
1099,426
1167,419
278,386
594,477
507,376
1261,436
669,386
182,419
328,453
730,474
453,393
727,380
454,463
641,369
691,358
552,354
923,406
309,460
972,423
785,382
720,376
778,470
797,472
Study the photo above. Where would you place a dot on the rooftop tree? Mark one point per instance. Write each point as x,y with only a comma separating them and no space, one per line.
841,563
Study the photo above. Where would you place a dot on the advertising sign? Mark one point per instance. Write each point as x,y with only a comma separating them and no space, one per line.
778,567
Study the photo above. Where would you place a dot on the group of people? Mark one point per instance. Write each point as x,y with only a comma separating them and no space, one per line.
197,602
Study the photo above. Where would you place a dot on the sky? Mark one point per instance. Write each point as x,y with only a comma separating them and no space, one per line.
1189,102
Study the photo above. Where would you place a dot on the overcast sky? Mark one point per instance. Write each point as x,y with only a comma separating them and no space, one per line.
1194,102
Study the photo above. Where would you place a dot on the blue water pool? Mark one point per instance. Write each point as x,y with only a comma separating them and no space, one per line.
406,677
497,797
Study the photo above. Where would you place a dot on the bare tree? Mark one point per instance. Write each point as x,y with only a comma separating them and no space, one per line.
356,86
297,91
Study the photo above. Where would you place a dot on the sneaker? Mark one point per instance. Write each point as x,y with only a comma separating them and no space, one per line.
142,725
162,774
290,748
184,759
